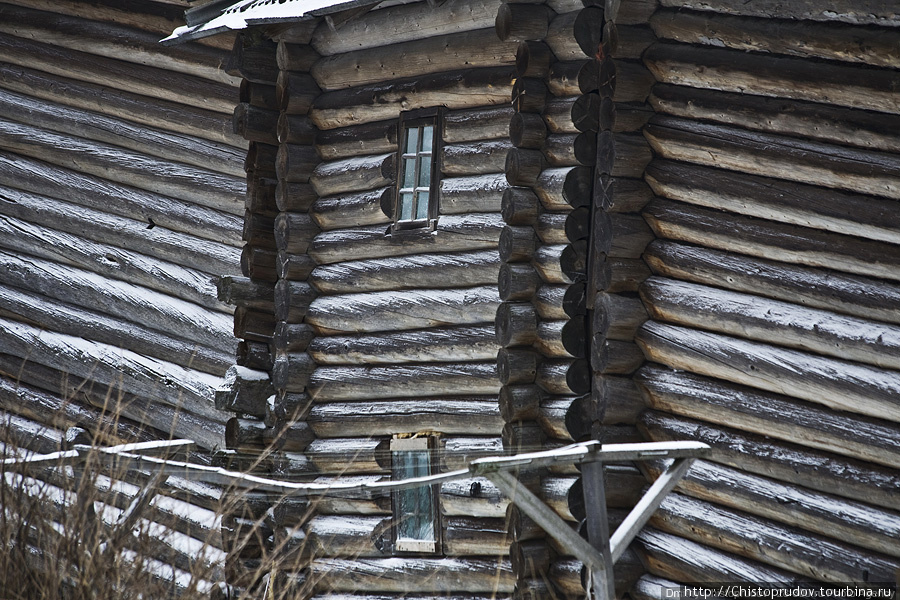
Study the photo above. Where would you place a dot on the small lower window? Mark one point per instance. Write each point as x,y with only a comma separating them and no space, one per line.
414,509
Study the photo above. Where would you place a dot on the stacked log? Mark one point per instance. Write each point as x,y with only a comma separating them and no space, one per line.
771,304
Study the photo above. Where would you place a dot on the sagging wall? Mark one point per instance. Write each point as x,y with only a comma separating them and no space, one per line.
773,301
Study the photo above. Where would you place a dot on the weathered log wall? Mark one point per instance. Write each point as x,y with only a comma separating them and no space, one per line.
772,301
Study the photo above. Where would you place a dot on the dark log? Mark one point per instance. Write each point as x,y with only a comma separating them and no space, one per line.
352,210
573,260
560,115
472,49
565,377
533,59
614,357
520,206
527,130
357,140
426,345
529,95
200,186
521,22
516,324
566,417
341,383
346,506
423,574
574,301
289,436
517,244
570,575
295,57
258,94
294,232
253,58
831,210
820,471
253,325
548,262
456,90
469,125
517,281
827,165
296,197
244,434
746,235
615,400
259,230
585,112
470,232
475,537
826,41
295,129
476,415
253,355
244,391
291,371
287,406
292,300
292,337
564,188
349,456
520,402
617,317
293,267
523,166
588,30
521,437
551,227
530,558
464,268
845,11
479,194
735,71
807,554
296,163
769,414
261,197
347,536
353,174
258,263
576,225
261,159
296,92
255,124
475,158
622,80
517,365
621,235
830,290
773,321
614,275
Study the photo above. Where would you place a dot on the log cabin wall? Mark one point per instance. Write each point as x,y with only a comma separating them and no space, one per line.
773,301
121,203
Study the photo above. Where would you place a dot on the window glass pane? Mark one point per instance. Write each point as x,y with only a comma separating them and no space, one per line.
406,202
409,173
424,171
422,205
427,135
412,140
416,505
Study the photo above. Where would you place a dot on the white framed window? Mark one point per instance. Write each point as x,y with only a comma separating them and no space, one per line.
415,511
418,176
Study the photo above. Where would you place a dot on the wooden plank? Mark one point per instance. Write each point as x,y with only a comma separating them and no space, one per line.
778,416
837,384
782,242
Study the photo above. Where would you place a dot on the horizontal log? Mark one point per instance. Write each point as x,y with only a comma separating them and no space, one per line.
258,94
334,505
517,324
295,57
259,263
291,371
472,498
472,49
294,196
478,194
474,158
464,536
830,290
447,344
837,384
105,196
522,21
547,261
469,125
261,160
253,355
616,316
564,188
761,539
470,232
851,169
614,357
477,415
533,59
774,415
292,300
296,92
786,243
424,574
455,89
357,140
798,204
295,163
243,291
570,575
290,337
296,129
564,377
353,175
632,80
349,455
342,383
772,321
530,95
347,536
846,11
561,116
244,391
566,29
293,267
823,514
393,273
294,232
201,186
255,325
733,71
824,40
783,461
457,452
255,124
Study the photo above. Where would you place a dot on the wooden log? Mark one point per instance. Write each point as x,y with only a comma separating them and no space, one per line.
734,71
347,536
353,174
200,186
295,129
261,160
562,116
527,130
473,124
292,300
470,232
457,452
244,391
747,236
565,418
475,537
547,260
253,355
261,197
259,230
784,461
519,22
807,554
352,210
523,166
632,80
614,357
296,163
357,140
826,41
530,559
290,337
258,263
769,414
620,235
428,575
615,275
477,415
570,575
294,232
253,58
258,94
349,456
255,325
468,88
478,194
464,268
291,371
295,57
573,260
571,36
529,95
293,267
846,12
517,282
564,188
255,124
296,92
244,434
809,162
342,383
517,365
472,498
475,158
533,59
517,244
616,316
335,505
446,344
287,406
565,377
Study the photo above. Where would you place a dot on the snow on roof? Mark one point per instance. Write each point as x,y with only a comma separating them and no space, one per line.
246,13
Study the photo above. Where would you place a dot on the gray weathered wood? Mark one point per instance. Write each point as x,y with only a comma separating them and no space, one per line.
846,11
353,175
351,210
424,574
475,158
342,383
478,194
424,345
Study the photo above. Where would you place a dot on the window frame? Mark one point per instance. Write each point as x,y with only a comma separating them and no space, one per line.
418,119
408,545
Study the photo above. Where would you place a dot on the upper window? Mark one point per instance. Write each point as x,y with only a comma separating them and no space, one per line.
414,509
419,170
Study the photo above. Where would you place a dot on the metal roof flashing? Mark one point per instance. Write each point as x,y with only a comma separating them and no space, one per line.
220,16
